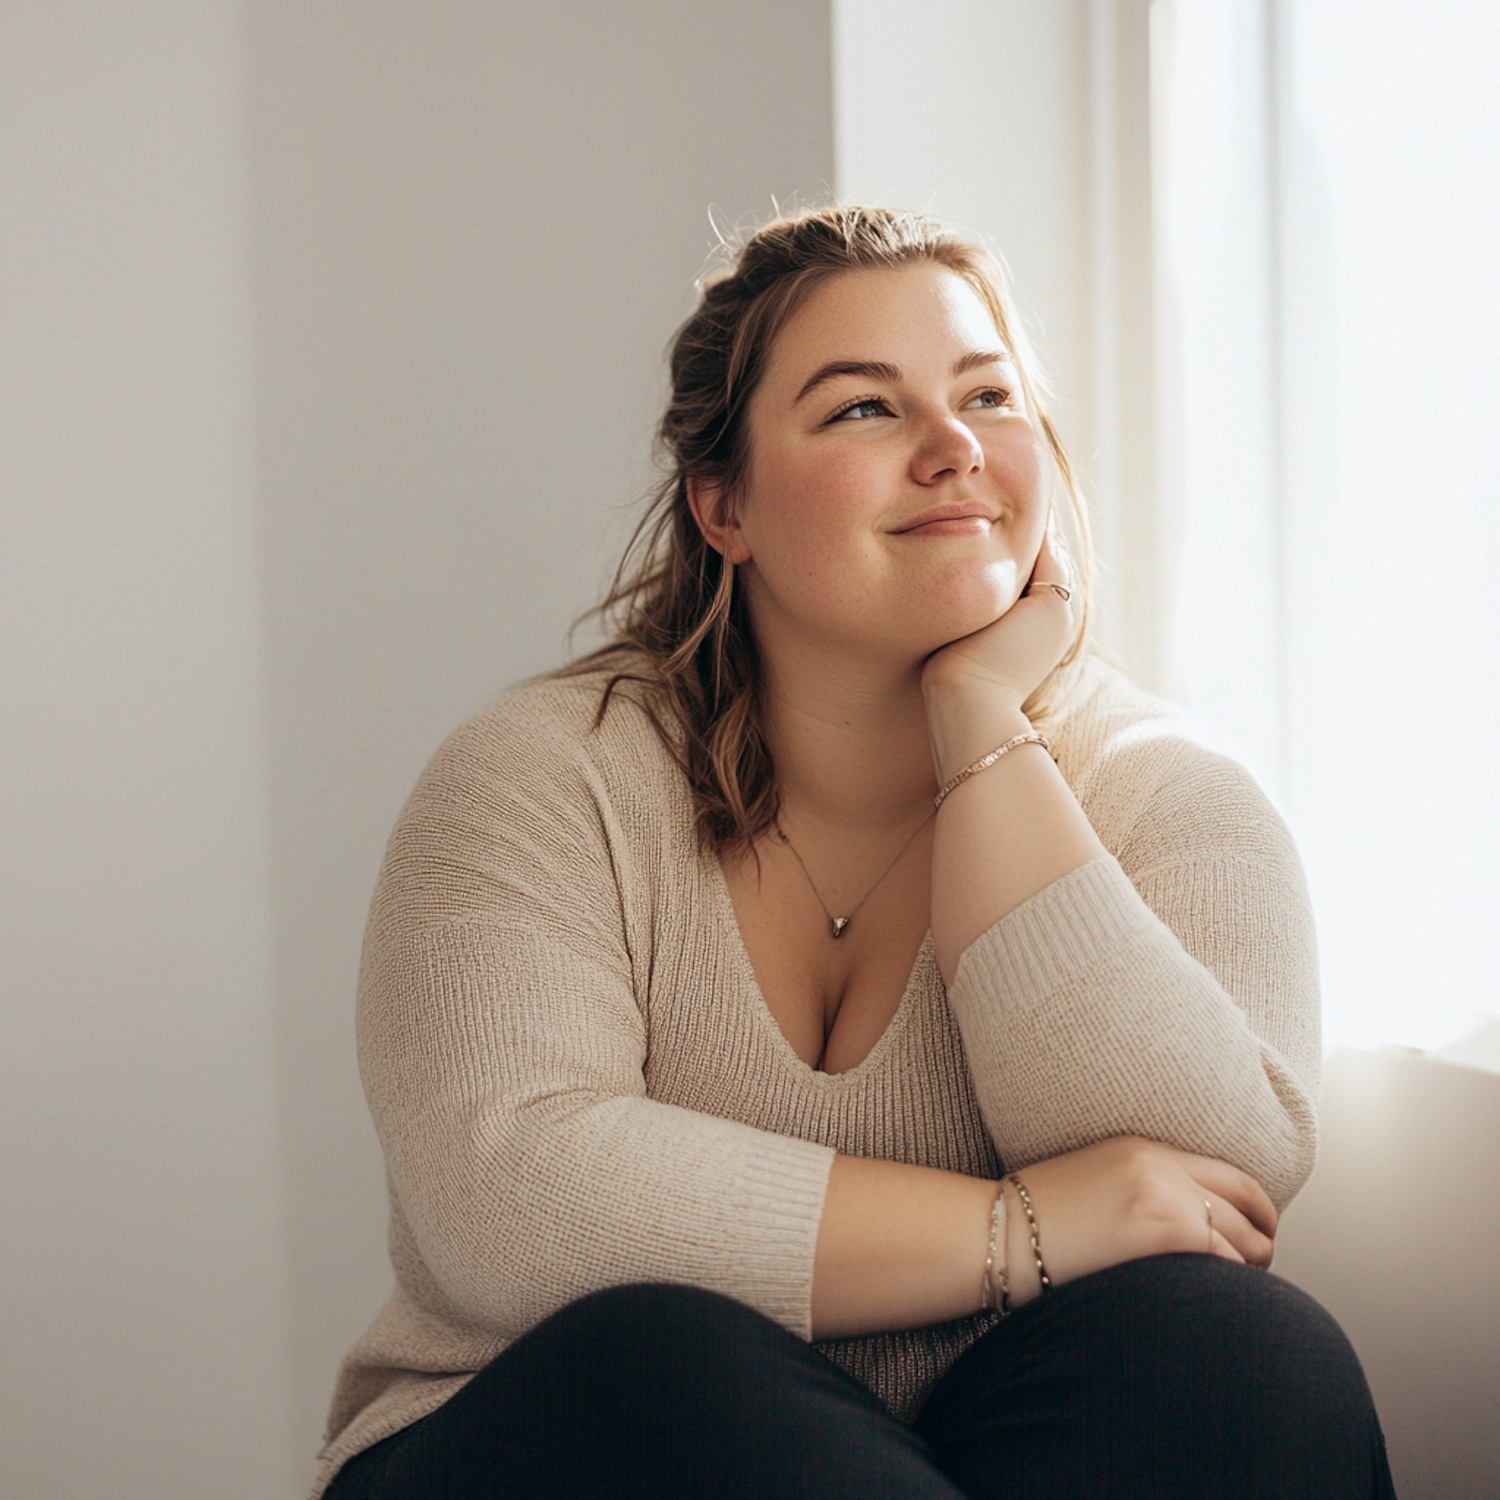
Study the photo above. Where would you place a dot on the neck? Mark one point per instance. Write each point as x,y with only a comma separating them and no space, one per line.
850,742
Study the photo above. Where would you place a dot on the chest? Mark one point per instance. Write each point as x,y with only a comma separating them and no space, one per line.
831,969
715,1046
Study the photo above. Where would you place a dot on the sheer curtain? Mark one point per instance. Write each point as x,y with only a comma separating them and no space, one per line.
1327,191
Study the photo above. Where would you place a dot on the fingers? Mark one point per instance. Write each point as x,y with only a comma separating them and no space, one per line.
1236,1188
1128,1197
1239,1219
1052,574
1228,1233
1054,562
1049,566
1224,1250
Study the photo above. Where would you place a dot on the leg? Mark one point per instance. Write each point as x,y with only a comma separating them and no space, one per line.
1176,1378
653,1391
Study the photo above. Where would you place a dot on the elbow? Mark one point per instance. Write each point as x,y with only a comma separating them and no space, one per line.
499,1223
1287,1165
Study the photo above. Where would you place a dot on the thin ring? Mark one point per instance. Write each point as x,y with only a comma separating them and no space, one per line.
1060,590
1208,1208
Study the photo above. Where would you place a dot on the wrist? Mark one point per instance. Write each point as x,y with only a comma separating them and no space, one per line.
964,724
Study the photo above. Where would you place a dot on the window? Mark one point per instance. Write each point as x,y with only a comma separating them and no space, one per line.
1329,254
1259,244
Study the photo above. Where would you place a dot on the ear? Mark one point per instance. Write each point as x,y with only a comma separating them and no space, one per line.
714,515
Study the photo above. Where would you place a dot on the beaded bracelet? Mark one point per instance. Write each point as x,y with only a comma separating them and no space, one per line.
1036,1238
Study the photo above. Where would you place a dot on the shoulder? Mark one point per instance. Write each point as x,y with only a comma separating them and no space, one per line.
537,779
554,733
1109,727
1143,768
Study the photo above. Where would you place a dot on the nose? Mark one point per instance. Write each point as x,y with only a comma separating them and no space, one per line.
948,449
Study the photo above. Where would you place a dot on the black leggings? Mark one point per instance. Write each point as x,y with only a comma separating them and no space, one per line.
1178,1378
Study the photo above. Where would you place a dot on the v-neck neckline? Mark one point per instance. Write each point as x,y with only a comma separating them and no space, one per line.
740,956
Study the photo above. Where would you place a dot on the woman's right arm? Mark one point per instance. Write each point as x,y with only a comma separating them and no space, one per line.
503,1043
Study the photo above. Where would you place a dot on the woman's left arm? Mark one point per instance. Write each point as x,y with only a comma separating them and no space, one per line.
1180,1005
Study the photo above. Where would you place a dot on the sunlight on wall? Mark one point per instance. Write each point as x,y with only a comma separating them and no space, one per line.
1307,550
1329,229
1218,533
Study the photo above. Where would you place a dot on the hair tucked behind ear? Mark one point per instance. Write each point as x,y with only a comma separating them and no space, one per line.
680,622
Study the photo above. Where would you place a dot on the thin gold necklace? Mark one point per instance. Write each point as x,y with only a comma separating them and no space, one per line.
837,926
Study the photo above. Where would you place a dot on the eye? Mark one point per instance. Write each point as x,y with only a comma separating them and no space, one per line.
861,409
994,399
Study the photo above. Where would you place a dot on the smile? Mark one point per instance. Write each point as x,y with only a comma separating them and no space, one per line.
948,521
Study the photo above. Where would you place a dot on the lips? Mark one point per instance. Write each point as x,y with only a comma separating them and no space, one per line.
949,520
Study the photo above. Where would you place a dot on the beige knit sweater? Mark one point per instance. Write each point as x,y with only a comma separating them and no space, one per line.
577,1083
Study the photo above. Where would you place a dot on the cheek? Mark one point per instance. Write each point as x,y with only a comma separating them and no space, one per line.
1025,479
796,512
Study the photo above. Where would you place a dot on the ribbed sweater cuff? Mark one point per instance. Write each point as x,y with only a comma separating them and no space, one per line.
783,1184
1079,921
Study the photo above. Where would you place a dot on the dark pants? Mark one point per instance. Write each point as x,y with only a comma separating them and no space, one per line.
1177,1378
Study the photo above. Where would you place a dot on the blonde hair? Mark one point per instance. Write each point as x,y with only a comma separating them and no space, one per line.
680,624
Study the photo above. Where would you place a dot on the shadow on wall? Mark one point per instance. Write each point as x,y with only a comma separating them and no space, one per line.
1398,1235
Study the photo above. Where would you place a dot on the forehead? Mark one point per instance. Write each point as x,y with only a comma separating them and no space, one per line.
904,315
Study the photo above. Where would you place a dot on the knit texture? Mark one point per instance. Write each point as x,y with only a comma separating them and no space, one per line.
577,1083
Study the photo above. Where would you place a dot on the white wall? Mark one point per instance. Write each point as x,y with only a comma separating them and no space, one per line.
144,1331
476,226
294,478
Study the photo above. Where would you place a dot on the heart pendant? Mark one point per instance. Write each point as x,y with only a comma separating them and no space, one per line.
838,924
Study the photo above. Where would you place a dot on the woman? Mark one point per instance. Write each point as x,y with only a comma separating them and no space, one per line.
693,1032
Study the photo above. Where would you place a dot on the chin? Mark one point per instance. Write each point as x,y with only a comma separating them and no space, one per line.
960,616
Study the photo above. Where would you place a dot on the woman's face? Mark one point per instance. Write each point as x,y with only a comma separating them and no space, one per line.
895,497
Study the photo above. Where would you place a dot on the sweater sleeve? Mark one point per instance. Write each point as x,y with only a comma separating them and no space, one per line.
502,1045
1169,992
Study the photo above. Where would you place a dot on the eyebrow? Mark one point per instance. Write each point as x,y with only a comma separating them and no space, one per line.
879,370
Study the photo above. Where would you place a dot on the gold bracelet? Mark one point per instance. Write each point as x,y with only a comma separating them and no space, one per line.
1036,1238
994,1290
986,761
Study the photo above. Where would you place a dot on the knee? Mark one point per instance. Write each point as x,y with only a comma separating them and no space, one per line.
636,1330
609,1348
1201,1297
1177,1375
628,1315
1219,1325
